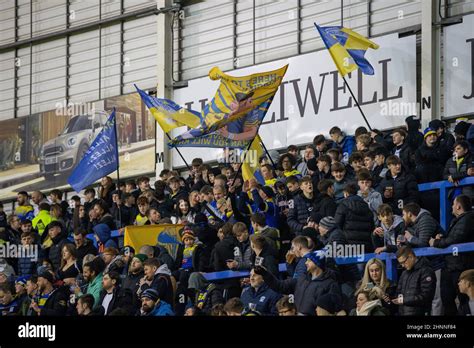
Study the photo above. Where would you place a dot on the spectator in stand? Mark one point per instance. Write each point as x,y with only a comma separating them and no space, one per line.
461,129
51,301
263,254
153,305
445,138
328,305
143,183
3,217
114,262
23,209
195,202
268,175
295,261
183,214
58,237
293,186
143,207
177,192
286,306
335,154
206,295
338,171
294,151
417,285
107,186
89,199
242,260
259,297
84,305
306,288
260,227
421,226
322,145
134,274
130,186
388,230
345,142
414,137
379,170
153,217
323,164
234,307
301,207
399,187
368,194
157,277
38,197
113,296
368,304
119,211
26,265
325,205
363,142
84,246
56,214
56,197
103,215
430,158
9,304
356,162
309,153
402,149
287,163
79,219
69,268
466,287
461,230
92,273
103,236
354,218
375,277
460,166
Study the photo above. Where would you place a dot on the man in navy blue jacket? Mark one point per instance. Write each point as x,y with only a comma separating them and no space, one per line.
259,297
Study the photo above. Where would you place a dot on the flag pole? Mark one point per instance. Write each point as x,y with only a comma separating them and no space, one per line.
268,154
118,171
357,103
179,152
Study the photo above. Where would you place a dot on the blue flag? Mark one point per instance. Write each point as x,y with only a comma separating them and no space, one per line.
100,159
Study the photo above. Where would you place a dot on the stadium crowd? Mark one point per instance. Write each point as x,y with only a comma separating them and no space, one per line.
352,192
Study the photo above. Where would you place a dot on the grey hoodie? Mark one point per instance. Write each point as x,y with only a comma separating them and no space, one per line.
389,232
163,269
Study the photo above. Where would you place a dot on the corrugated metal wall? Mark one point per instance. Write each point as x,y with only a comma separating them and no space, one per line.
211,34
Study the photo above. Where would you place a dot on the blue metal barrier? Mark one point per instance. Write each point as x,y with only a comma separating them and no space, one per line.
389,258
444,205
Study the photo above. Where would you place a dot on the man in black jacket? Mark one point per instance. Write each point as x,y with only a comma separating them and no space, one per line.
301,207
84,246
417,285
56,299
113,296
444,137
402,150
58,235
227,249
354,218
398,187
308,287
461,230
157,276
325,205
135,273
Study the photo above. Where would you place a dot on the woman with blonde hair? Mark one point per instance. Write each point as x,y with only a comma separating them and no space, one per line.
375,276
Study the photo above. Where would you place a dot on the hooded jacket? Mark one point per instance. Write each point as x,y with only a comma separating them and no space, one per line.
424,228
103,232
207,295
94,288
347,146
373,200
418,287
162,283
162,309
390,234
430,162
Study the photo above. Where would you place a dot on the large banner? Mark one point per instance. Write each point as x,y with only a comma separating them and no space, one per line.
166,235
459,68
312,97
40,152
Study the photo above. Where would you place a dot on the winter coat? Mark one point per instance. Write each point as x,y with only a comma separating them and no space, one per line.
268,257
418,287
324,205
122,298
430,162
162,283
424,228
305,289
103,232
55,251
299,212
461,230
162,309
354,217
244,256
263,298
405,190
56,304
347,145
373,200
370,308
85,249
406,155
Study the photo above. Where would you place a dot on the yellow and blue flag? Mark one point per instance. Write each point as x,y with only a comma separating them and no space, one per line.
347,48
251,164
244,98
168,114
166,235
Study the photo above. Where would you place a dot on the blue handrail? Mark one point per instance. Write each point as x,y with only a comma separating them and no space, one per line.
443,187
389,258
